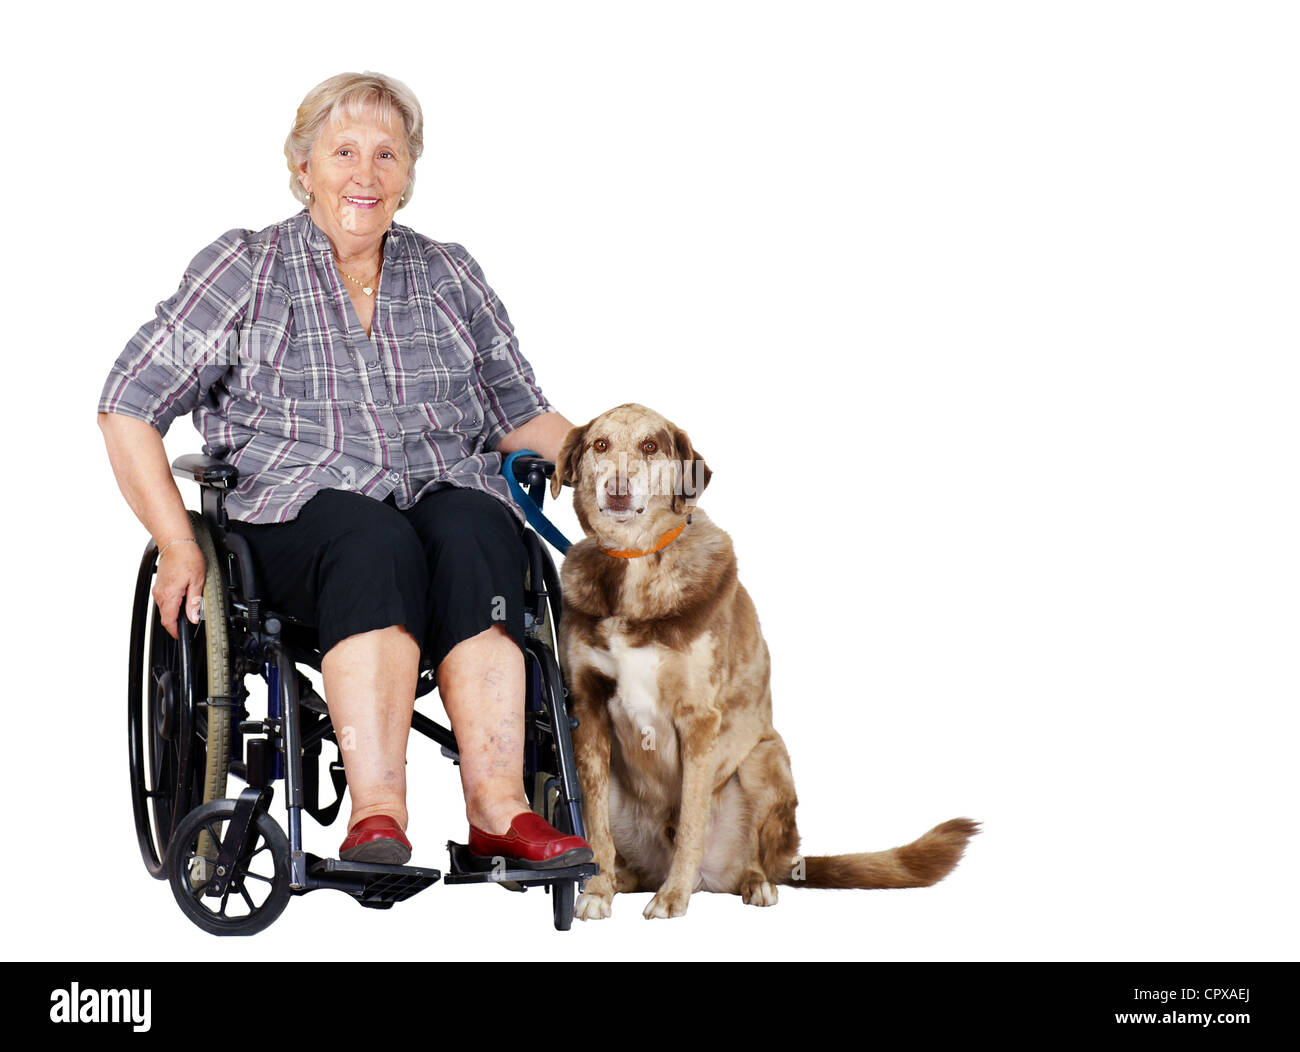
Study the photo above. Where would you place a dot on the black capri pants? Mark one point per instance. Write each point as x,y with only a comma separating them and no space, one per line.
447,568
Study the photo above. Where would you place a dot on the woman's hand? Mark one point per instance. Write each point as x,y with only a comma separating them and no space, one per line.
545,434
140,465
181,573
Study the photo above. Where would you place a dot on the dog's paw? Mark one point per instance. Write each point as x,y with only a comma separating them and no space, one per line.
758,893
592,907
668,903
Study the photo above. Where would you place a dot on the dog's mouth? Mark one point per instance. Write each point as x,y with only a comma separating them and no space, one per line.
620,508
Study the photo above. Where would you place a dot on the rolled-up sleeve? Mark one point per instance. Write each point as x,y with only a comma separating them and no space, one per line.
168,366
509,390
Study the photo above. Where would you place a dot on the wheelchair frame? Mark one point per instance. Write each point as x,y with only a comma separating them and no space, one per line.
175,723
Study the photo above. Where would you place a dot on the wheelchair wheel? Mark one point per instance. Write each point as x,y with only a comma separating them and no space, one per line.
178,707
258,889
562,898
562,891
546,693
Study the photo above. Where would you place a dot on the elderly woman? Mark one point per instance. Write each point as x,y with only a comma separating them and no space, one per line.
377,386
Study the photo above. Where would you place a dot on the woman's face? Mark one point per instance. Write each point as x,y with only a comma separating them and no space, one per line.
358,172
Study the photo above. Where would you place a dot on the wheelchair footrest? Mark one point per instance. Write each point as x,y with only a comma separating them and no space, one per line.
370,883
467,868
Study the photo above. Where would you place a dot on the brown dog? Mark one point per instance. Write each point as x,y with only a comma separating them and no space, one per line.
687,784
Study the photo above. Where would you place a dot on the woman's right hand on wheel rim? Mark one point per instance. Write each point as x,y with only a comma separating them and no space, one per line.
182,571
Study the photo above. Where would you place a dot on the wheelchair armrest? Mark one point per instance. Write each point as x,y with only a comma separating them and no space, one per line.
206,471
533,471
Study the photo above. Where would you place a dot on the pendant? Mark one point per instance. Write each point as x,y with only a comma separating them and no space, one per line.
367,290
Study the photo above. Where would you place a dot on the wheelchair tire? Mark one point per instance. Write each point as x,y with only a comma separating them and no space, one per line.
188,867
562,898
179,745
563,892
542,795
214,739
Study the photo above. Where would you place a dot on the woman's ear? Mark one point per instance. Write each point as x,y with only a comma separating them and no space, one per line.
695,474
566,464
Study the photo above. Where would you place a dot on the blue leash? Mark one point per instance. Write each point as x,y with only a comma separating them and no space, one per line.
532,511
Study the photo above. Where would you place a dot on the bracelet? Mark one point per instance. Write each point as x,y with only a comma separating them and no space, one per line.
176,541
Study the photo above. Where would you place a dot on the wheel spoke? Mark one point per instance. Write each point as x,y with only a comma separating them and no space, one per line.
251,907
258,876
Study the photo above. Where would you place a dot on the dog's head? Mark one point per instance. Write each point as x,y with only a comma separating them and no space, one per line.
635,475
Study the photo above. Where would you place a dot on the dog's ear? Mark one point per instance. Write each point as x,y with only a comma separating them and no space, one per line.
566,464
695,473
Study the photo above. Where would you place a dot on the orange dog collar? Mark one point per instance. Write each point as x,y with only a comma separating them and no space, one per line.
663,542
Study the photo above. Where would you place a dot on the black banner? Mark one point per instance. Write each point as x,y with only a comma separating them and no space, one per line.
172,999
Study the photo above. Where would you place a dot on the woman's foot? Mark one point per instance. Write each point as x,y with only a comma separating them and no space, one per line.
492,812
532,843
376,839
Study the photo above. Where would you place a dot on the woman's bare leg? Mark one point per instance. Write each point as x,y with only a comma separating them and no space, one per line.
370,681
481,681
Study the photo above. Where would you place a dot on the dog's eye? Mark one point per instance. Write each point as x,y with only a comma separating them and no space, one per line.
600,445
649,446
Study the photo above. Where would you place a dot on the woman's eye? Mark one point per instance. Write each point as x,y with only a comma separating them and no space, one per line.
649,446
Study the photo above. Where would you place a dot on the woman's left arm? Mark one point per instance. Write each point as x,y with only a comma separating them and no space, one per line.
544,434
508,387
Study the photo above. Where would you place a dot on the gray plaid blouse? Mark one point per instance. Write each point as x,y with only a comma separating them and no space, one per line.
261,344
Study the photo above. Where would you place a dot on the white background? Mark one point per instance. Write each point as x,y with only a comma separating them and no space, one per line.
984,316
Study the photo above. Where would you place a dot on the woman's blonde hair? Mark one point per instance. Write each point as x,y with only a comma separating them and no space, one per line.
350,94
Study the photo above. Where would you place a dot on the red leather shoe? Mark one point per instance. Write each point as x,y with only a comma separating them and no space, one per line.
531,843
376,839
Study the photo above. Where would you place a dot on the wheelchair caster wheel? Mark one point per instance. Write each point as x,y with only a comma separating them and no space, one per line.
562,891
258,885
562,904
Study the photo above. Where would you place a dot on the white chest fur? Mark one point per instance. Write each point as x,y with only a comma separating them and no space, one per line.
641,719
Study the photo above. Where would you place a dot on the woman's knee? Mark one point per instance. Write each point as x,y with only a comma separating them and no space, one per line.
389,642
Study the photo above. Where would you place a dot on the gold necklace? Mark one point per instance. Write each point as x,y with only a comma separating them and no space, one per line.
368,287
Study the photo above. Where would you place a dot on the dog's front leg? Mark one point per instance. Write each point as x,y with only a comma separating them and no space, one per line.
697,733
591,744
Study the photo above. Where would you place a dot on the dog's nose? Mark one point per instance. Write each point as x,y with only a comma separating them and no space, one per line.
617,501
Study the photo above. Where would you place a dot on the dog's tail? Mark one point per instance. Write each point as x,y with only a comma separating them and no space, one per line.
919,864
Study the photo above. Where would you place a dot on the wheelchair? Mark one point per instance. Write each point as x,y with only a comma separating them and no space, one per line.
231,867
